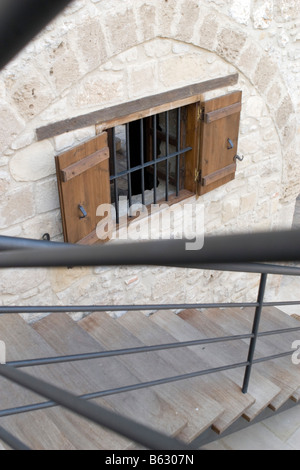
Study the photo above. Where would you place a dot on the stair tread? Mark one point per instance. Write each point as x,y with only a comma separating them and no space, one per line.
28,428
200,410
280,371
22,342
68,338
219,354
212,385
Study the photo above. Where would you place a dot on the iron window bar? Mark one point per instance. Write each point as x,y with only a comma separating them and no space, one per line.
155,158
142,160
147,164
178,150
125,351
115,170
167,124
128,165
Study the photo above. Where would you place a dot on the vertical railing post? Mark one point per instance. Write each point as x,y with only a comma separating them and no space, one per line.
255,330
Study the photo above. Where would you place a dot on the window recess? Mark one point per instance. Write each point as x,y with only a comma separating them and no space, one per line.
161,154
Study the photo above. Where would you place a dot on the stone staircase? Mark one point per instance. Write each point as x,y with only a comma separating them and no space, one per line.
184,409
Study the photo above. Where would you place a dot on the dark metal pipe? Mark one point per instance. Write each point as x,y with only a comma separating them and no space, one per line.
122,352
160,347
126,427
21,21
178,150
115,172
7,310
12,243
264,247
167,153
11,440
274,356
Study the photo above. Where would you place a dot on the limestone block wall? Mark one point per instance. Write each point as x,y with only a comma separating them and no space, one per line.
98,54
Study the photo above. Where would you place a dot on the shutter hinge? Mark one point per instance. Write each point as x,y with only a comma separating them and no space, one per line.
197,176
200,114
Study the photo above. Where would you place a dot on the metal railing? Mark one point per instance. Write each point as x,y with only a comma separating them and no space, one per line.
30,253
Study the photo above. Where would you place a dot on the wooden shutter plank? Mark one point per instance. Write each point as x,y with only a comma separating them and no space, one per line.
89,189
191,133
85,164
223,112
214,152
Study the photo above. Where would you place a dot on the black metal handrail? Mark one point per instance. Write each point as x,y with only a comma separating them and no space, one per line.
17,26
95,413
22,248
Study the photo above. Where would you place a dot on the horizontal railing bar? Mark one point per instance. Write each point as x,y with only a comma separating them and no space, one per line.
255,268
120,308
11,440
123,352
279,332
116,391
274,356
124,426
281,303
150,163
14,243
142,349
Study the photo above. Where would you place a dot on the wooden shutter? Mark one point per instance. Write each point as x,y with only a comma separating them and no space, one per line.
219,141
83,183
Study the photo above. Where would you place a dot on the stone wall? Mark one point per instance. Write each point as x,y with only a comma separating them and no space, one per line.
99,54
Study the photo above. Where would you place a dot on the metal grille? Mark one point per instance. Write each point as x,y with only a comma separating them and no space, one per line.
147,160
